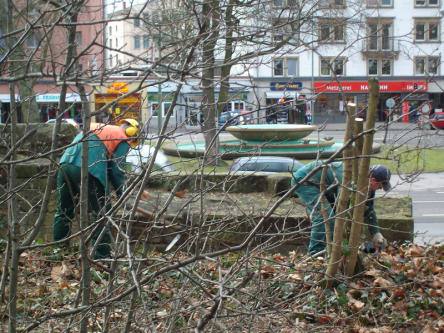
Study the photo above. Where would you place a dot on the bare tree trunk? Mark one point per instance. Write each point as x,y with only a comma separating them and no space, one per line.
343,202
226,67
84,220
210,23
361,195
13,218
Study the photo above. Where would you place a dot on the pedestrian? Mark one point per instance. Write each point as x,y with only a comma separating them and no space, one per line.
108,146
310,194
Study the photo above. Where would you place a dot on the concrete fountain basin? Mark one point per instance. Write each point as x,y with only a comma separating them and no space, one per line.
271,132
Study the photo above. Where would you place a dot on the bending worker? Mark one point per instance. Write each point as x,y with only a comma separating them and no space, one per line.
108,146
310,194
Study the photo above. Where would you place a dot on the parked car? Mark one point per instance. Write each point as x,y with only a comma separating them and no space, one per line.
269,164
141,155
437,120
67,121
228,118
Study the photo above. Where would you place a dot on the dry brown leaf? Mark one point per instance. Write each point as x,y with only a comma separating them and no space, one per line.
383,329
324,319
415,251
63,285
372,272
411,272
398,292
267,272
63,271
381,282
278,257
295,276
355,305
429,329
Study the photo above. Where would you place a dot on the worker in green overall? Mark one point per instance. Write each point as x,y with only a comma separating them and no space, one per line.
108,146
310,194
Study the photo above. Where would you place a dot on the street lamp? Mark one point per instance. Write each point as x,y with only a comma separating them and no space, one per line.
312,70
159,92
157,20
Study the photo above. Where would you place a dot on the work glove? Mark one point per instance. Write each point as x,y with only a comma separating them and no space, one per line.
379,241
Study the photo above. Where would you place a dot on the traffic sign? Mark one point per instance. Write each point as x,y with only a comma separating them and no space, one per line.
390,103
426,108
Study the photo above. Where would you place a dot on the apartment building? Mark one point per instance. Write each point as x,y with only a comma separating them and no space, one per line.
348,42
43,50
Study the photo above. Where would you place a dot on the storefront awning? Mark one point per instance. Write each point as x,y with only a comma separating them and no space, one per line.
5,98
281,94
54,98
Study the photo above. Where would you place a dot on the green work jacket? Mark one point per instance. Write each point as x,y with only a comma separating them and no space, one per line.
107,170
332,180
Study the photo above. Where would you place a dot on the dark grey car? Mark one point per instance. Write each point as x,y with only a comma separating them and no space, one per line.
265,164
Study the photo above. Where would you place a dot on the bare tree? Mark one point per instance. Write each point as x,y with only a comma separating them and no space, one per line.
216,277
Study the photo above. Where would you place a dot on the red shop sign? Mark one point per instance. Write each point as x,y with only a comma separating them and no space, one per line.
362,86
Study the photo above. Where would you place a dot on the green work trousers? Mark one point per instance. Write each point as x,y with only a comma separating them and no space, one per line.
68,194
310,196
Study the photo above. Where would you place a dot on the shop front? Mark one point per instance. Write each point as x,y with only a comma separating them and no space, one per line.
332,98
49,103
47,106
5,102
237,102
284,104
117,103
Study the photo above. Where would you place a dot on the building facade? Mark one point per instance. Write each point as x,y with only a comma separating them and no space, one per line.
398,42
42,55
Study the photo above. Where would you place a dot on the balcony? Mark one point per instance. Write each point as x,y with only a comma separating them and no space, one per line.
380,48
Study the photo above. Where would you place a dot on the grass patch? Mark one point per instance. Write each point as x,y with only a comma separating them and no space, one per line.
397,159
410,159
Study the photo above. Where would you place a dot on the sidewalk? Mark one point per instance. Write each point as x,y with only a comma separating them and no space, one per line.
395,126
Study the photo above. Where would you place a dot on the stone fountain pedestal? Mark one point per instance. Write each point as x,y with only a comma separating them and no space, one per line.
268,140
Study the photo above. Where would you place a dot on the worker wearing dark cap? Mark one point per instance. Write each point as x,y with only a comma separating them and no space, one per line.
310,193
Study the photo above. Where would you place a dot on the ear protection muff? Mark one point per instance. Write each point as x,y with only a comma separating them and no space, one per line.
131,131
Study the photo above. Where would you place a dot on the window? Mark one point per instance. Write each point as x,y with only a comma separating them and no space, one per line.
110,30
427,65
117,44
427,30
426,3
331,3
285,67
165,108
32,41
137,42
332,31
379,3
78,38
137,22
380,66
380,36
278,67
117,59
146,41
110,43
284,3
283,31
330,66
